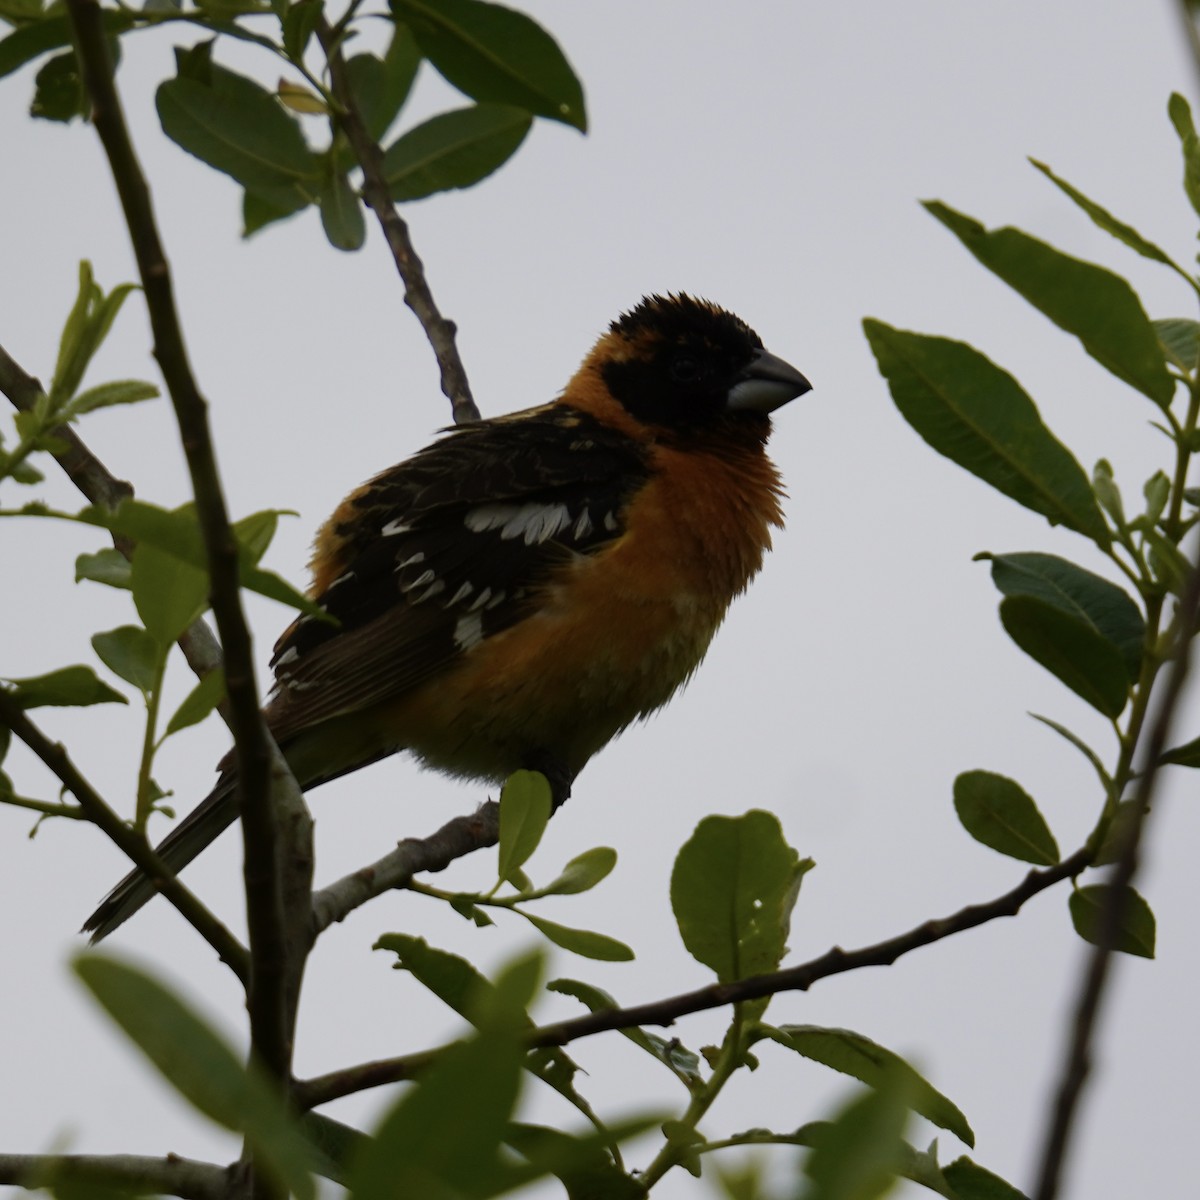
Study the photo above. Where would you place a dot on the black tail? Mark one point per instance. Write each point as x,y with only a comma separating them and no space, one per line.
215,813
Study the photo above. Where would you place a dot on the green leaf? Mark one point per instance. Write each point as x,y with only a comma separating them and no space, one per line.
1096,305
1119,826
68,687
49,33
177,534
494,53
198,703
870,1063
1081,746
256,532
381,87
978,416
1111,225
1108,494
105,395
1090,665
733,887
239,128
1135,931
58,90
201,1066
583,872
298,24
525,805
452,979
970,1181
132,654
583,942
1180,339
258,212
860,1152
74,348
1181,118
1101,605
682,1062
342,214
999,813
1187,755
453,150
418,1147
168,593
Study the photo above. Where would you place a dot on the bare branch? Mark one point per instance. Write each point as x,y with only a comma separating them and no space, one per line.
417,296
1077,1060
320,1090
271,975
455,839
133,844
170,1176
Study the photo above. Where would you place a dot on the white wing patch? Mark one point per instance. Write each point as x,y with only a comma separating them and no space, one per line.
533,522
468,631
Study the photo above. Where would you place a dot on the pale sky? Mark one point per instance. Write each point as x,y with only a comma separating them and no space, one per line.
770,157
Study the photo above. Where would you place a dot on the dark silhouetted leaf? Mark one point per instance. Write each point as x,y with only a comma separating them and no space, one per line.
999,813
453,150
1136,930
978,416
1090,665
1089,598
495,53
1094,304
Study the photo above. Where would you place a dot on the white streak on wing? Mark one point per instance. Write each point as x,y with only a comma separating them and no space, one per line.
463,592
419,557
438,585
425,577
468,631
498,598
394,527
480,600
583,526
341,579
290,655
533,522
610,522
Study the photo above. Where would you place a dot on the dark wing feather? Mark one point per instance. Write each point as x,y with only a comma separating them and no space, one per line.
447,549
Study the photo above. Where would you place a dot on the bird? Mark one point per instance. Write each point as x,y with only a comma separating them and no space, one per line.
523,589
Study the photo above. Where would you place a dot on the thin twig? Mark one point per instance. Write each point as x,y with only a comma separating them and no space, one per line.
271,1024
454,840
1077,1059
418,297
133,844
170,1176
320,1090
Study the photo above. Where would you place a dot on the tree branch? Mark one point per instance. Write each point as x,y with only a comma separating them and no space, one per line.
320,1090
454,840
418,297
1078,1057
170,1176
271,1028
133,844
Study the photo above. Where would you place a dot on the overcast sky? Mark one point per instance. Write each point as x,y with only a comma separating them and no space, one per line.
769,156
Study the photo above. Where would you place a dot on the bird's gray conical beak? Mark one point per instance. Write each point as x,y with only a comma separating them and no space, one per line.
766,384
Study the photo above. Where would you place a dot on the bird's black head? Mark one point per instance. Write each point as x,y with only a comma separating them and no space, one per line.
684,365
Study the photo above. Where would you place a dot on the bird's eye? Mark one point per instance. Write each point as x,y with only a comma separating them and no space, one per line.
685,368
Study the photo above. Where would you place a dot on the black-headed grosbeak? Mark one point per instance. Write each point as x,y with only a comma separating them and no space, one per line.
517,593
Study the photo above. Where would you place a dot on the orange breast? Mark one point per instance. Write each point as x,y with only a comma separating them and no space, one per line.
618,633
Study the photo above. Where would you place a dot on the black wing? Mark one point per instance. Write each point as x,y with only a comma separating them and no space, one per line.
437,554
